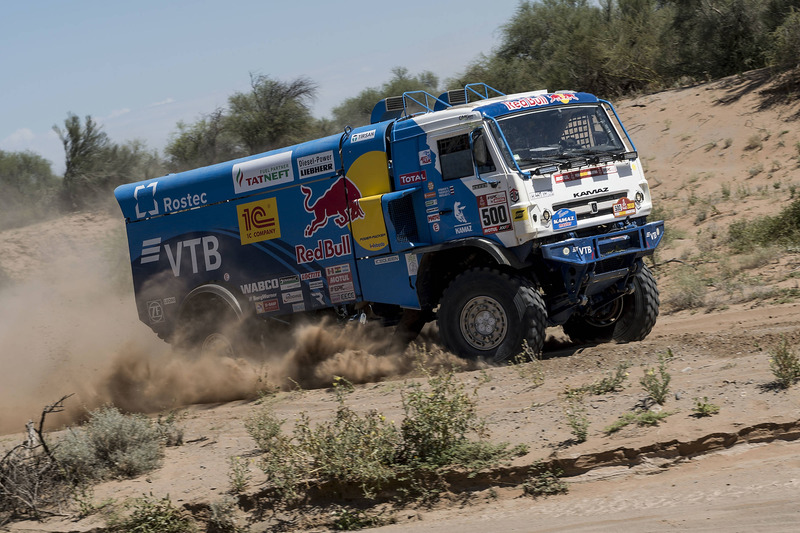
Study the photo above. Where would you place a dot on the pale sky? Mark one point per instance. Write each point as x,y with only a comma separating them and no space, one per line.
139,67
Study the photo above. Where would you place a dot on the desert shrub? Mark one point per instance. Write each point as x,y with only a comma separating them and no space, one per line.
640,418
368,451
111,444
690,290
783,229
784,364
152,515
544,481
655,381
702,408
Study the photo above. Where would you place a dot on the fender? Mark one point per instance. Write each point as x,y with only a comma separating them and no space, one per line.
217,290
502,255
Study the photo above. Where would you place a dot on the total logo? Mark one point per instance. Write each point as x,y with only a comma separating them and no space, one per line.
147,205
190,251
339,202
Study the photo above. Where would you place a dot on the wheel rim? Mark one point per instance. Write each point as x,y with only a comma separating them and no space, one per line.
217,345
605,316
484,324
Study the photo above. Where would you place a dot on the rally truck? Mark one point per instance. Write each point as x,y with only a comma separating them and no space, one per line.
495,215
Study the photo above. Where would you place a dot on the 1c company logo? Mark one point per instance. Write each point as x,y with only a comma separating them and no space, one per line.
258,221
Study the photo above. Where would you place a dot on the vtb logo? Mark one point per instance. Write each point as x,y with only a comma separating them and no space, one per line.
258,221
339,202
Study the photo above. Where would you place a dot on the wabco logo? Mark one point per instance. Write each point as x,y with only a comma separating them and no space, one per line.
145,196
338,202
590,193
209,248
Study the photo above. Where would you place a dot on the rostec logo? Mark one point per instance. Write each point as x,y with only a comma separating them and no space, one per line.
140,194
209,247
338,202
258,221
263,172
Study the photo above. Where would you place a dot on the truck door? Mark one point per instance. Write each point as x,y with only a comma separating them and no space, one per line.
471,198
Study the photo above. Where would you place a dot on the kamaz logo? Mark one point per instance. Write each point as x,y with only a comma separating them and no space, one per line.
590,193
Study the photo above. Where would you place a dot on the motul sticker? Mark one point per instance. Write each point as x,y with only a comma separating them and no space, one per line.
624,207
263,172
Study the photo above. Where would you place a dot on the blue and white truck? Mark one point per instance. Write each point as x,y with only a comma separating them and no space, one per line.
495,215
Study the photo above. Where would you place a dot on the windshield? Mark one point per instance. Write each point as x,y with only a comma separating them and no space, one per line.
558,134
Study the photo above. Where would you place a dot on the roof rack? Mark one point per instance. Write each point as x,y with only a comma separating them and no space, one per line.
395,107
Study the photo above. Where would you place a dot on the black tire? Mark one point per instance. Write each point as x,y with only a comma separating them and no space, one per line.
628,319
640,309
487,314
210,327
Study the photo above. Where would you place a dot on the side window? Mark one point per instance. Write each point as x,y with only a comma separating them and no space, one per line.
455,157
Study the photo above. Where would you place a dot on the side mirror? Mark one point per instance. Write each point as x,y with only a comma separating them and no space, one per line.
479,150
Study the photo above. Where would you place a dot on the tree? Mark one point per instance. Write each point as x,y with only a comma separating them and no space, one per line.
273,114
27,188
83,146
356,111
205,142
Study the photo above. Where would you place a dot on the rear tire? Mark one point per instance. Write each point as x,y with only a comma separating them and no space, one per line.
485,313
210,327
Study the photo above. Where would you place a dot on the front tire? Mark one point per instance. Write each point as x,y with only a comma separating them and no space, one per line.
628,319
210,327
485,313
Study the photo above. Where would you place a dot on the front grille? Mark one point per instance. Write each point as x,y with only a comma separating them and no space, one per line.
583,206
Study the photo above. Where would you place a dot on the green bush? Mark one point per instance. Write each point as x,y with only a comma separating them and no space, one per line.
111,444
152,515
782,229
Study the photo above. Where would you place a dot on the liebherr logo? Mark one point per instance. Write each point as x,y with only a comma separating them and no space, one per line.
590,193
209,248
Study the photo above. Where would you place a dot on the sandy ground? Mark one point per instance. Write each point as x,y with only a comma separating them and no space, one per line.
68,325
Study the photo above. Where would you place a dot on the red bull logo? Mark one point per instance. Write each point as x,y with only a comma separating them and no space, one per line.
564,98
339,202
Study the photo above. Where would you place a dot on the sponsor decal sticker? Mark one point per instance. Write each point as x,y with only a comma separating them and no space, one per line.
267,306
519,214
316,274
624,207
259,286
514,194
289,283
493,210
446,191
332,204
435,226
340,283
325,249
263,172
363,136
155,312
563,177
414,177
310,166
170,300
206,259
425,157
292,297
388,259
433,218
258,221
564,218
412,263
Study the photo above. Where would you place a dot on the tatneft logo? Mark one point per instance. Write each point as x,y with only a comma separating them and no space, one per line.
145,196
263,172
209,248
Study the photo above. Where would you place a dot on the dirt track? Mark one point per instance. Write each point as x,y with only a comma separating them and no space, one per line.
735,471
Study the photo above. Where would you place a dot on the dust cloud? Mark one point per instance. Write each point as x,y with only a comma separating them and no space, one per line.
70,327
